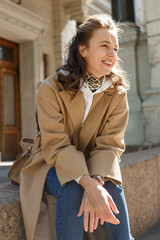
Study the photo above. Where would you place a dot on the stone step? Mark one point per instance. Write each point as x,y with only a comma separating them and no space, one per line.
11,223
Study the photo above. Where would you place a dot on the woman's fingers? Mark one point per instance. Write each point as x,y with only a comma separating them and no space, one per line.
85,207
113,205
112,219
91,221
85,221
109,216
104,212
102,221
81,209
96,220
97,204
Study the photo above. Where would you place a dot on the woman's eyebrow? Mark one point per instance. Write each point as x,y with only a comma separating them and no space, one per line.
104,41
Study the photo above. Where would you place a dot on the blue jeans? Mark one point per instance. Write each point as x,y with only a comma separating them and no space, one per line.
68,225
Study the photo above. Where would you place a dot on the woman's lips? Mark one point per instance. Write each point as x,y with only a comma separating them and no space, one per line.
108,63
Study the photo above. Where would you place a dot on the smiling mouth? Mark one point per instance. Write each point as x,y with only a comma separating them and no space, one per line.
107,63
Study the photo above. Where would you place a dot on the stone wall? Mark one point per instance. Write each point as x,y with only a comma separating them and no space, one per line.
140,52
62,17
141,183
141,178
151,106
45,9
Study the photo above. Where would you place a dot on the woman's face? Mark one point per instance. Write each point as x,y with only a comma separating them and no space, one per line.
101,53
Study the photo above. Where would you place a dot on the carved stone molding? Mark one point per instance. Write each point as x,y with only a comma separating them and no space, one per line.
98,6
18,23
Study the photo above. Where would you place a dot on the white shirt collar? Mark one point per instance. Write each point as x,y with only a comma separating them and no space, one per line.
105,84
85,89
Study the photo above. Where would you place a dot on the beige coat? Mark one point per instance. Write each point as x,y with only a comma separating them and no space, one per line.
95,149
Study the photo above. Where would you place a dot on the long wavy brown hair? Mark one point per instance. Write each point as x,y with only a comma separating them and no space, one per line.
76,64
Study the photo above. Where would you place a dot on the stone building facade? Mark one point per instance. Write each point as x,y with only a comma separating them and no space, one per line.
37,33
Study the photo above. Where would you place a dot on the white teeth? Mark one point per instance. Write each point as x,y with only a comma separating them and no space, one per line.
107,63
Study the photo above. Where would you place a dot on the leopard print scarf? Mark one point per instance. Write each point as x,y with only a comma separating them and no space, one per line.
93,82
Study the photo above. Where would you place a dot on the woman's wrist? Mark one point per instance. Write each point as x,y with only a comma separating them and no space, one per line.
86,182
99,179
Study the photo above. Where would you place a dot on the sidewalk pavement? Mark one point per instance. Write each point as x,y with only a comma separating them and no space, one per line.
151,234
4,169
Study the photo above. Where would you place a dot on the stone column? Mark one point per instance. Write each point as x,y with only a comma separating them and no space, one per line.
31,72
64,26
151,106
123,10
128,44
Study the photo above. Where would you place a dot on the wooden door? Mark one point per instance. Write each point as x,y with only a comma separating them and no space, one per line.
9,100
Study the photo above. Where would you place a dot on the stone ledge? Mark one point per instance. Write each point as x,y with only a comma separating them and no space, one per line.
11,223
139,156
141,181
141,184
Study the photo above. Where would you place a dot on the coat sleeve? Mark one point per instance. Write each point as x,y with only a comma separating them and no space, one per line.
105,156
56,146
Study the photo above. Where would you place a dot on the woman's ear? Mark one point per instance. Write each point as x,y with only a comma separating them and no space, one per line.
82,50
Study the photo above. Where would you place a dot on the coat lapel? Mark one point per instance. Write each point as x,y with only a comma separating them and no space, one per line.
92,122
75,107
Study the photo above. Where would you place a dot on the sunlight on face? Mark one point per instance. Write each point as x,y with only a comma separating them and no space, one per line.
101,54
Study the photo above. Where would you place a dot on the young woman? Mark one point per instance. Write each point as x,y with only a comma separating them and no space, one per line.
82,114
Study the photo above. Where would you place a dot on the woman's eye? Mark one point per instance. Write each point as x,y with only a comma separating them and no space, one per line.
105,45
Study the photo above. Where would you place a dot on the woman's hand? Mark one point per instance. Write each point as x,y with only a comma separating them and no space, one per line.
90,217
96,204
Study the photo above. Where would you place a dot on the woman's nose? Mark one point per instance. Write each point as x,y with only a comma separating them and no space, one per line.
112,52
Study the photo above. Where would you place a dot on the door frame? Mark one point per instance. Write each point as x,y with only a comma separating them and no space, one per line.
13,69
